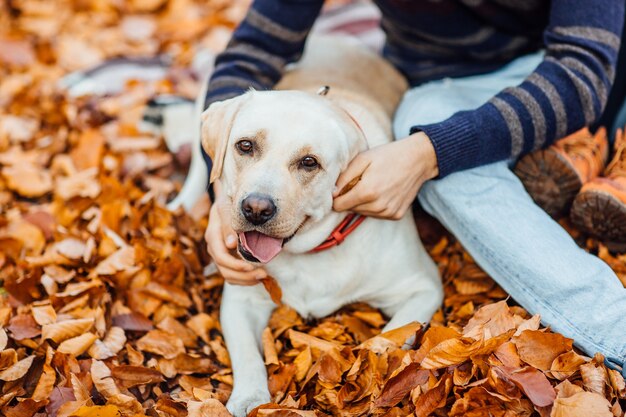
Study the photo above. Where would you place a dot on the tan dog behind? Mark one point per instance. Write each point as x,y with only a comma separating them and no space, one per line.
278,155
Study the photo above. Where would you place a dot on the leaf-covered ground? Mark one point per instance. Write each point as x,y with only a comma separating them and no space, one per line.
105,310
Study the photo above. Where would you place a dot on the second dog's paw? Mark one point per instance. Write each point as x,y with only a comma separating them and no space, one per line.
241,403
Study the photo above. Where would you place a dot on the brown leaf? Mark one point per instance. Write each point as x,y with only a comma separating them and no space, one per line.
25,408
269,348
79,184
71,248
89,151
77,345
595,378
4,339
18,370
130,376
572,401
133,322
103,380
303,363
397,387
169,293
162,343
121,260
23,326
540,349
273,289
46,384
434,398
58,397
566,364
490,321
207,408
67,329
44,314
534,384
392,339
27,180
450,352
16,52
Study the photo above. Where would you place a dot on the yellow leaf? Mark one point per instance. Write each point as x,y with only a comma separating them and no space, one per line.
77,345
44,314
65,329
17,370
97,411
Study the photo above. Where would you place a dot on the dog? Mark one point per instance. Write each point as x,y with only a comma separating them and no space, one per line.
278,155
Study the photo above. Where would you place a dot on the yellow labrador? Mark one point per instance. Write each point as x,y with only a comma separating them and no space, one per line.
278,155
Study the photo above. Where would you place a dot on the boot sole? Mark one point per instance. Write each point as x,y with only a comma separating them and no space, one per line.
603,215
550,180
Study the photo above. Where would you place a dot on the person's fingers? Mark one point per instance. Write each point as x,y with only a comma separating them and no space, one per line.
220,252
362,193
228,234
243,278
368,209
349,178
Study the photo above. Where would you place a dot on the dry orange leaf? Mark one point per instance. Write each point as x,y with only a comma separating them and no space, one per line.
540,349
97,411
45,385
130,376
534,384
77,345
44,314
27,180
572,401
162,343
67,329
17,370
273,289
269,347
207,408
3,339
450,352
595,378
102,379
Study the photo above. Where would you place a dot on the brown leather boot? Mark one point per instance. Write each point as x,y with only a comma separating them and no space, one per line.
555,175
600,207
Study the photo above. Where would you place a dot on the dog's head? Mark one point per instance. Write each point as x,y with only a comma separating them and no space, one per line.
278,155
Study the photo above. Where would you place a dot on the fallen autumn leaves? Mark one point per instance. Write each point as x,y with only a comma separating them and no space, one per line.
105,310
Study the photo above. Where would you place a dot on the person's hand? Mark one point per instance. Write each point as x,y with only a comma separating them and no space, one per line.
389,177
221,240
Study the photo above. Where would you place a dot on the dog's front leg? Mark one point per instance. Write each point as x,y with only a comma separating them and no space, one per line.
419,307
244,314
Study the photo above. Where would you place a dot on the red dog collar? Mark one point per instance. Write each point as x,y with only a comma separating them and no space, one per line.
339,234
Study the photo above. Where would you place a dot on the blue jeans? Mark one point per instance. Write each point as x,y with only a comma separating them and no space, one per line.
530,255
620,120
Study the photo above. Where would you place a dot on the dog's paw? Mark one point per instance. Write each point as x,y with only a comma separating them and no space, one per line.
241,403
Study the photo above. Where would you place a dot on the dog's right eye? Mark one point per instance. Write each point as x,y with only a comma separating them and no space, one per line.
244,146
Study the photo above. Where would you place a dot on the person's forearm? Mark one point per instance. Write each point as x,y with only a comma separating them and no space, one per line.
272,35
567,91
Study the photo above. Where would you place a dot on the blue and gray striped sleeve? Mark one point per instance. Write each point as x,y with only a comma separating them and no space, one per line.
567,91
271,36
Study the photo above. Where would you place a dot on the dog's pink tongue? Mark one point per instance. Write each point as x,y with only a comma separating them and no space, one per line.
261,246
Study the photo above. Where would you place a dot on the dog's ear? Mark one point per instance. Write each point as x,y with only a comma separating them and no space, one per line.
217,122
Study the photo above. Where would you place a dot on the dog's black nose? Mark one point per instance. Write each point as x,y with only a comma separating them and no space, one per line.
258,209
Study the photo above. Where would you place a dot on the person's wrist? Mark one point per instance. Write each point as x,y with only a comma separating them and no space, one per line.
425,154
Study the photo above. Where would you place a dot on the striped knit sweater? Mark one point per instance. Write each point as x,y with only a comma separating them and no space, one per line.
428,40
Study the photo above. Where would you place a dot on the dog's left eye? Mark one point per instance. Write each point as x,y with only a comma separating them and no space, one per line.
244,146
309,162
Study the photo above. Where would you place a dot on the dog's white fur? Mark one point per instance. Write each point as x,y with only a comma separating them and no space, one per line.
382,262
